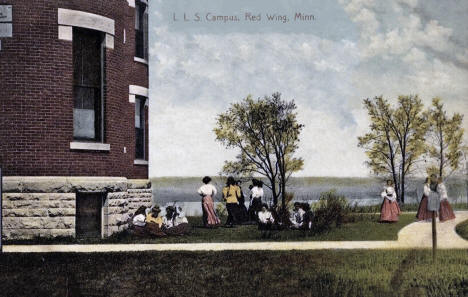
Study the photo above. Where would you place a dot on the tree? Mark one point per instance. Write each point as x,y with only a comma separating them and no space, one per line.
445,139
397,138
380,143
266,133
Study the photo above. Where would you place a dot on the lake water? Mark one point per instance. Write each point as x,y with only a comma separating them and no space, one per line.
360,191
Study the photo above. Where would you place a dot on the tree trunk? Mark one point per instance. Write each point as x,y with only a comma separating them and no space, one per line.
403,188
274,192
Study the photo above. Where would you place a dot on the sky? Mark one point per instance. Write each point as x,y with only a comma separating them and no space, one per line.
344,52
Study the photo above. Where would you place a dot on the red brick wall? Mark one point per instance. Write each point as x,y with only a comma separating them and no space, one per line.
36,99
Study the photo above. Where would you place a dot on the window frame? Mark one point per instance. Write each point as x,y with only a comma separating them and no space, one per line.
99,108
140,102
141,14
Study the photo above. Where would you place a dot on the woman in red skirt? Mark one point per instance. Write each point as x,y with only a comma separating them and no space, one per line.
445,212
424,214
390,210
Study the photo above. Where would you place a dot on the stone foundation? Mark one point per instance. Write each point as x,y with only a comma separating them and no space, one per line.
46,206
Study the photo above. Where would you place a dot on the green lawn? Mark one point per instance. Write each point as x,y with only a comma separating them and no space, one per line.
462,229
237,273
364,227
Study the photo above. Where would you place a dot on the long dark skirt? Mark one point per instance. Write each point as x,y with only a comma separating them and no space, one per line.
423,213
254,208
242,213
232,209
178,230
446,212
154,229
389,211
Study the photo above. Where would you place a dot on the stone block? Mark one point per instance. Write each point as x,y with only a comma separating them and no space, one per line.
61,212
25,212
38,223
35,233
118,202
117,195
60,184
139,184
98,184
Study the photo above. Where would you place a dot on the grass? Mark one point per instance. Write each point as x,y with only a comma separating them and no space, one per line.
362,227
462,229
237,273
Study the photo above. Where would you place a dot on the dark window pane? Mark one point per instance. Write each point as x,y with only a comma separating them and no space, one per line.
141,30
140,127
87,57
87,81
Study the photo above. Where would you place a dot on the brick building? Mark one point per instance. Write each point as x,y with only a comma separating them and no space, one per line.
73,115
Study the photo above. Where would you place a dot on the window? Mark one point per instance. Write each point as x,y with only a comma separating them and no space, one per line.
141,29
140,127
88,85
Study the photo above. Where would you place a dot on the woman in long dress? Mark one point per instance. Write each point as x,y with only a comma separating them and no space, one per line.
256,195
423,213
445,211
207,191
243,215
231,194
390,210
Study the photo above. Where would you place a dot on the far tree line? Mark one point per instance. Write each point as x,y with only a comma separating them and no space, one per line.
406,138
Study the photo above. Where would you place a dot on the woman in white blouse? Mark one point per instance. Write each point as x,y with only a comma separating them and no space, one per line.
445,211
390,209
207,191
256,195
423,213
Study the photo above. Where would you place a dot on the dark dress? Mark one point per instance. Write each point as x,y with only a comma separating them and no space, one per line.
423,213
242,213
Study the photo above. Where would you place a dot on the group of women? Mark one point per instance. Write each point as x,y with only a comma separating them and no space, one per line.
434,201
149,222
235,202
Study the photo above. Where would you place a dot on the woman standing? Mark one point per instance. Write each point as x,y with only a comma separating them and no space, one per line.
208,191
423,213
231,193
445,212
256,196
390,210
243,215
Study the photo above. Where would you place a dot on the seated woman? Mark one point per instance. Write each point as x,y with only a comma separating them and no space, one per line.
138,222
154,222
265,221
297,217
390,209
173,224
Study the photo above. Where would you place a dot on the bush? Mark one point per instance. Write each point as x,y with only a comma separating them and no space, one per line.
221,210
331,208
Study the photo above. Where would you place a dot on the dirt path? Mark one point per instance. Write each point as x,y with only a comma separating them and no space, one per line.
415,235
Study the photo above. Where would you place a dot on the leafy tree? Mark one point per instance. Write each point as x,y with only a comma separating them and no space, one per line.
445,139
397,138
380,143
266,133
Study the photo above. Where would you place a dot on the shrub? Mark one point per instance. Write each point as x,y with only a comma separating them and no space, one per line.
283,213
221,210
331,208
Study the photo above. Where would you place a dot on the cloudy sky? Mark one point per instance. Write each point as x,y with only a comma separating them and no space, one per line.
350,50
